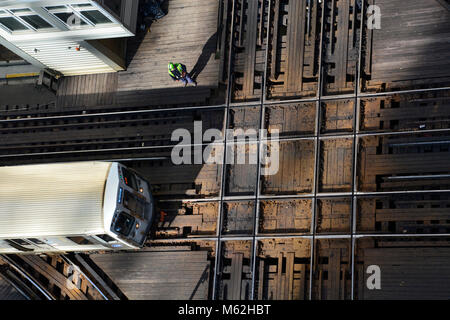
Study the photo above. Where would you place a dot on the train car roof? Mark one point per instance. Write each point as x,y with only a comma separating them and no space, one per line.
52,199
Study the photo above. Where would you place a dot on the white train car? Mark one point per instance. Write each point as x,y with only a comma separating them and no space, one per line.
78,206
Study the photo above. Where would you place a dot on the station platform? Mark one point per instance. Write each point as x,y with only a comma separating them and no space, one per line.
187,34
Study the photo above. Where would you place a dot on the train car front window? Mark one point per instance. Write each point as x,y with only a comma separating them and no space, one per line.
133,204
129,178
124,224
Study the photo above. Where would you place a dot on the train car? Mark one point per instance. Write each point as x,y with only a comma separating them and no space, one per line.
79,206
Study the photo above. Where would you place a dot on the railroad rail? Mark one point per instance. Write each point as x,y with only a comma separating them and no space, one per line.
363,165
29,287
56,277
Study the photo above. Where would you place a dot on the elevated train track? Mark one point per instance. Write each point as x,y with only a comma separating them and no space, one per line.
355,154
56,278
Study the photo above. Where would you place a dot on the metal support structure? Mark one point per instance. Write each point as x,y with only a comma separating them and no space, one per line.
224,166
259,155
315,195
317,137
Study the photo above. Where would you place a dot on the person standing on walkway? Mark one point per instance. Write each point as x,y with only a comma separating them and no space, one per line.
177,72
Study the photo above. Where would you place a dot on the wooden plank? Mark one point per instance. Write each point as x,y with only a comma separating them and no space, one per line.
320,285
342,284
334,269
261,23
361,283
412,214
302,281
278,281
250,47
158,275
409,163
369,50
223,39
421,29
295,46
240,24
289,276
412,112
261,279
342,43
409,273
236,275
310,50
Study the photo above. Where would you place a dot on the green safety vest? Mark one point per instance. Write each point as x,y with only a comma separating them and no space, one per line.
178,67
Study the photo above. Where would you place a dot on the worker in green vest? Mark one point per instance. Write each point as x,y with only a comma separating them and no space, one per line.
177,72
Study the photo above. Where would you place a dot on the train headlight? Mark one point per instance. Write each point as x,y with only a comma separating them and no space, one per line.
137,225
141,190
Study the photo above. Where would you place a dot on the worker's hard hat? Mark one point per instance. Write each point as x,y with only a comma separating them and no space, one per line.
171,66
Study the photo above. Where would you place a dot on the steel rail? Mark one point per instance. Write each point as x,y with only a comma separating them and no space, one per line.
29,278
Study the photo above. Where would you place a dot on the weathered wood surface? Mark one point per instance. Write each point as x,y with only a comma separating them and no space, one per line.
409,273
187,34
413,43
341,46
87,91
293,58
158,275
8,292
296,169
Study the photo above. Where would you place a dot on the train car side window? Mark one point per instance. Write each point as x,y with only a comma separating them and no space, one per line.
106,238
80,240
15,244
22,242
36,241
129,178
124,224
132,203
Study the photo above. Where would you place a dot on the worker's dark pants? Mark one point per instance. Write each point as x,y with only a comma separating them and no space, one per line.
187,79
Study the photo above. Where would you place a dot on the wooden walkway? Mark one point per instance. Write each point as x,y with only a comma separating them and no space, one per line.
87,91
187,34
413,43
409,273
155,275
